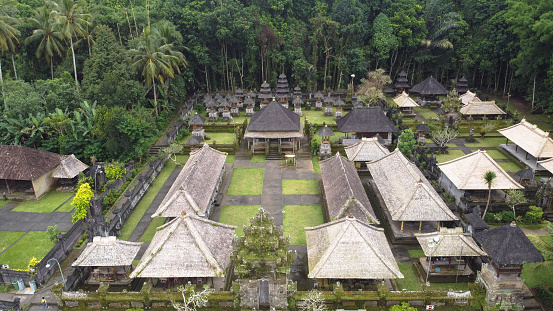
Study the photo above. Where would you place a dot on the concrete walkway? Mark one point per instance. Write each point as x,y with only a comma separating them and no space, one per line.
25,221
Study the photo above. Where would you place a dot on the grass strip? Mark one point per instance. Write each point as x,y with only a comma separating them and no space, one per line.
258,159
46,204
316,166
34,244
246,181
296,217
152,229
7,238
238,216
300,186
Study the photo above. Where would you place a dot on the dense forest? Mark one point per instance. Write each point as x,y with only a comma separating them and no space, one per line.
100,78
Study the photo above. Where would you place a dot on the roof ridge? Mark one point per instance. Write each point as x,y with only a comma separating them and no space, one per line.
345,174
366,212
202,246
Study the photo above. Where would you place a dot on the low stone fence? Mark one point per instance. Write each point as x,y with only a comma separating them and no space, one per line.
229,300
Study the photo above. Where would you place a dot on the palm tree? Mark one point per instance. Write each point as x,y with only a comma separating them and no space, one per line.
7,10
489,177
153,60
71,21
50,40
8,37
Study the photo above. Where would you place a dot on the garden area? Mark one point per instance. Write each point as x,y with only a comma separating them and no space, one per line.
53,201
300,186
246,181
296,217
238,216
31,244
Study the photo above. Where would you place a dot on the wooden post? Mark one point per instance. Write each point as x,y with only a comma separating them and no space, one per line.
402,226
438,226
420,225
7,186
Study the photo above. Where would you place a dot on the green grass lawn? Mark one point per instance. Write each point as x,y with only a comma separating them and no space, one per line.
416,253
300,186
219,138
238,216
496,154
296,217
141,208
258,159
46,204
316,167
318,116
67,207
429,115
4,202
230,158
246,181
7,238
182,158
534,277
333,139
510,166
152,229
487,142
34,244
453,154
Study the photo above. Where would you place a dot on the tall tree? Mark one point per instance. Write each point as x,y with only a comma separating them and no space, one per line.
489,178
51,41
383,40
72,22
8,36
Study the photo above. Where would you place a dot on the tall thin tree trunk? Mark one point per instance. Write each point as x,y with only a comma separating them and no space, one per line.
14,69
488,203
52,66
3,95
534,93
74,63
119,33
506,76
155,95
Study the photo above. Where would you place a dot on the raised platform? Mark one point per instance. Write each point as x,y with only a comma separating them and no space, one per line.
524,157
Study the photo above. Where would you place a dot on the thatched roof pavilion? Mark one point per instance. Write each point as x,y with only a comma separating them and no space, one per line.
69,167
367,122
196,185
107,252
196,120
480,108
451,242
408,195
468,97
530,138
343,190
429,86
466,172
547,164
368,149
462,85
402,83
404,101
349,249
187,246
325,131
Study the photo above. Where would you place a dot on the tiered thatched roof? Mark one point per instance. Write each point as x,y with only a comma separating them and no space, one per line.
274,121
344,191
192,190
481,108
69,167
462,86
404,101
187,246
467,172
407,193
468,97
368,149
365,120
508,245
349,249
530,138
196,120
23,163
107,252
452,242
265,91
325,131
429,86
401,81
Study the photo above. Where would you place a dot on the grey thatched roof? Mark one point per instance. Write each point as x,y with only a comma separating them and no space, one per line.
211,103
467,172
481,108
265,91
194,140
422,128
508,245
344,191
207,98
23,163
274,118
107,252
328,99
365,120
531,138
368,149
249,101
349,249
187,246
297,101
192,190
402,81
468,97
318,94
451,242
339,102
429,86
252,94
196,120
69,167
325,131
407,193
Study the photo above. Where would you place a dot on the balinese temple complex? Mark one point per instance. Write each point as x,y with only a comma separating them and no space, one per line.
428,91
274,129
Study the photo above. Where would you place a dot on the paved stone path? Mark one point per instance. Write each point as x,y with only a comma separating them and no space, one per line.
24,221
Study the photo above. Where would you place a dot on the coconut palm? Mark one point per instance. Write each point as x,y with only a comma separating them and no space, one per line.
71,22
489,177
51,42
7,11
154,61
8,36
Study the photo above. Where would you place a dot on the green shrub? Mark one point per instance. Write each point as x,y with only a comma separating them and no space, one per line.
534,215
83,179
489,218
545,295
507,216
115,171
53,233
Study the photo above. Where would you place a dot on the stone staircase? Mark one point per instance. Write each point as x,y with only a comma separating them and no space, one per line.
529,302
154,150
273,152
